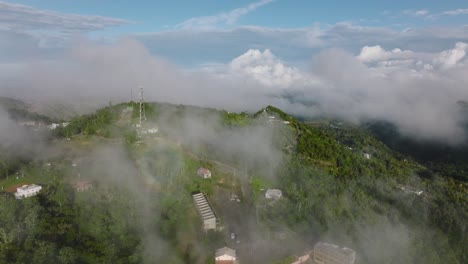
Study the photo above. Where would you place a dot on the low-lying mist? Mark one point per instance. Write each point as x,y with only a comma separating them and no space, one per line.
417,94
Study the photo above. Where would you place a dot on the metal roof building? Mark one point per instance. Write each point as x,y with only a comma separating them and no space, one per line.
205,211
27,191
325,253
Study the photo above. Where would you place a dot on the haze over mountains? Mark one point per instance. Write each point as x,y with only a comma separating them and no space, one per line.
401,87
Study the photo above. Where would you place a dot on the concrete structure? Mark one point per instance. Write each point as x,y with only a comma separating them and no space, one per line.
325,253
226,255
204,173
27,191
367,155
273,194
81,186
205,211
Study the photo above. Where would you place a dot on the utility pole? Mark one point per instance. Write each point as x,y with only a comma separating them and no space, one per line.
142,106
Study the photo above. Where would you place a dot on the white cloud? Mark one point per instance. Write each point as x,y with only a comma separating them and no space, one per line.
450,58
371,54
376,55
456,12
228,18
416,13
266,68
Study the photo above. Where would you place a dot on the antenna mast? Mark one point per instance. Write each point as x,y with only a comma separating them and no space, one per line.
142,106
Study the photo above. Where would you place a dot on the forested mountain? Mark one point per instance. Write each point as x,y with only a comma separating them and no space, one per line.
391,200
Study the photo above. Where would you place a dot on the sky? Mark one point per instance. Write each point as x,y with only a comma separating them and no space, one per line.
401,61
293,29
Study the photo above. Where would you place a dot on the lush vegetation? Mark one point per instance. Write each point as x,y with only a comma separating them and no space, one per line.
97,123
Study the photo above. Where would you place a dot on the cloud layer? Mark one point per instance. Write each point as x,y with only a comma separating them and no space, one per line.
417,91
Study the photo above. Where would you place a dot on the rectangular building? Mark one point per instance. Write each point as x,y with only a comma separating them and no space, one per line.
205,211
27,191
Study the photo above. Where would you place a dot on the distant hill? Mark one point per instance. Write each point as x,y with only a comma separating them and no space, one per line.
19,110
463,104
10,103
440,158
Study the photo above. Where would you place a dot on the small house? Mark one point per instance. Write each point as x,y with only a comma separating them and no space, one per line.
225,255
81,186
367,155
273,194
204,173
27,191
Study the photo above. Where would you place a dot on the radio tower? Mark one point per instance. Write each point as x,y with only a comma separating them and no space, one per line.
142,106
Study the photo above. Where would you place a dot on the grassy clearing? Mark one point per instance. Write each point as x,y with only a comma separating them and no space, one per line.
35,175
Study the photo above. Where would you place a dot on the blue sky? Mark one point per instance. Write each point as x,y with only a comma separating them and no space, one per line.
213,31
149,16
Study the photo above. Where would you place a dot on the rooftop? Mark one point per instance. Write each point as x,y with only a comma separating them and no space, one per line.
274,192
226,251
203,170
28,187
333,248
203,207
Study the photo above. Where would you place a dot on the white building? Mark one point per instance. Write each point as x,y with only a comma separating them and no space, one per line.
204,173
225,255
207,215
273,194
367,155
27,191
325,253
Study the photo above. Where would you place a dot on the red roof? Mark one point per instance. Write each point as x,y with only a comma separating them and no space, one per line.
224,262
203,170
82,184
